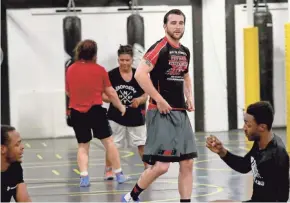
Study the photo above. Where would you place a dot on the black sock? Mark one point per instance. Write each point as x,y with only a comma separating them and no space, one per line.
136,192
185,200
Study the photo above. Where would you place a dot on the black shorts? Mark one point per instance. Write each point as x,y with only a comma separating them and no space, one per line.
95,120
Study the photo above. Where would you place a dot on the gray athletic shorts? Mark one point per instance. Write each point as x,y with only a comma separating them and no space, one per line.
169,137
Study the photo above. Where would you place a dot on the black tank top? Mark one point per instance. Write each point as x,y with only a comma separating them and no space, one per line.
126,91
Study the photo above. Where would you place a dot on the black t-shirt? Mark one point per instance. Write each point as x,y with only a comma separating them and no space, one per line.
9,181
126,91
270,169
170,65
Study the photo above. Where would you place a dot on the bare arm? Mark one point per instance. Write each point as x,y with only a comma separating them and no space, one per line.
105,98
143,98
188,87
22,193
139,100
144,81
113,97
188,92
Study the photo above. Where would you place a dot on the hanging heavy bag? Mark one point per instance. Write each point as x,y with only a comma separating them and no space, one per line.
263,20
72,33
1,56
68,118
72,36
135,37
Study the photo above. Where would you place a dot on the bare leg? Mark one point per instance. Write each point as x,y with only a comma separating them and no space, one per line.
146,179
108,163
112,152
141,152
150,174
83,156
185,179
108,173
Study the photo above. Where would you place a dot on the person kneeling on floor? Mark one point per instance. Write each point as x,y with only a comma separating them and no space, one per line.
268,159
12,183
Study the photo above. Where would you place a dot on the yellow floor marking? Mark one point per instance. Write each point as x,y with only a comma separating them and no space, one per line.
55,172
128,155
76,171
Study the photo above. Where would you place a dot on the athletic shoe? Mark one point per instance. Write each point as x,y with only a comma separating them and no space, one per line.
85,181
121,178
109,175
130,199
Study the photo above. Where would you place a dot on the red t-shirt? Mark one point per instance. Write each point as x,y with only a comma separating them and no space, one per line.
85,83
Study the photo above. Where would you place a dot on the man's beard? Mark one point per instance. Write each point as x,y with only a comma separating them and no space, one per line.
255,137
173,37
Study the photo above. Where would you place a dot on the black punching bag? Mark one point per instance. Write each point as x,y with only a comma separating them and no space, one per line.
263,20
1,56
72,34
135,36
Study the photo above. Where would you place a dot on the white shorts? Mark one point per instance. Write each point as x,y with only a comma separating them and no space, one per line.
128,136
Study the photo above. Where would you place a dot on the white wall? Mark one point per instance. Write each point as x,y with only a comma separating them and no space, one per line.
36,60
214,59
280,16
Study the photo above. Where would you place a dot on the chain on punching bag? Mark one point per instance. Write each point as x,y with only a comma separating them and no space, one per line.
263,20
72,36
135,35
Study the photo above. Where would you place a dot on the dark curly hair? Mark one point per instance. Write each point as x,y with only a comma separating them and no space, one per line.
263,113
125,49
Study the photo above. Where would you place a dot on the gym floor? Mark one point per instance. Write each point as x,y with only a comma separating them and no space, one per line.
51,173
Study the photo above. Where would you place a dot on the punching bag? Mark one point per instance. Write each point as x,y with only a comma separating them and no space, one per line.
135,37
1,56
263,21
72,36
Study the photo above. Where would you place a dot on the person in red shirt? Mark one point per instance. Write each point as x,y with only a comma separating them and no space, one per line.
86,81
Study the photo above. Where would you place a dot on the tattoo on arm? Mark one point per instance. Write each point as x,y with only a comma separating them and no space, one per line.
147,62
